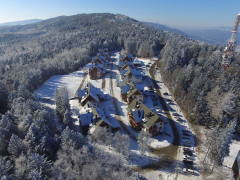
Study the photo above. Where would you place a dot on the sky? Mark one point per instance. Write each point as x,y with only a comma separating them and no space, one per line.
173,13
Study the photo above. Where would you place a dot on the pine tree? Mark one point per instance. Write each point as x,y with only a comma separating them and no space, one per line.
39,164
5,167
16,146
67,118
143,141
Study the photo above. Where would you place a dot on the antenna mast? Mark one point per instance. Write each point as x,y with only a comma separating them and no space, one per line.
229,50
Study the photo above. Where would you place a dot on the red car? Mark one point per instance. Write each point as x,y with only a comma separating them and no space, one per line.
150,88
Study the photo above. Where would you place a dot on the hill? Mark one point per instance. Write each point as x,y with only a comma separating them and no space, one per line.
166,28
218,35
15,23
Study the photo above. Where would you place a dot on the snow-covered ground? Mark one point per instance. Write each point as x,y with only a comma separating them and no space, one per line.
71,81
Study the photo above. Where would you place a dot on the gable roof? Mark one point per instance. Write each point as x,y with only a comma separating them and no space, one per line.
92,91
125,89
82,92
132,90
128,70
138,115
104,116
149,116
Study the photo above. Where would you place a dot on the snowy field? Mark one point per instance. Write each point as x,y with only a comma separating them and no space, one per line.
71,81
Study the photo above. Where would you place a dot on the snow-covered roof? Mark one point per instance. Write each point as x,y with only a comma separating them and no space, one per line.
150,117
99,67
92,91
138,115
125,89
105,116
86,118
102,60
132,90
136,73
82,92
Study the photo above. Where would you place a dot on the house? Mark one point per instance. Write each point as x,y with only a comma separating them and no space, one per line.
104,55
126,58
124,65
141,117
90,94
99,60
90,117
130,75
134,93
131,91
97,71
236,167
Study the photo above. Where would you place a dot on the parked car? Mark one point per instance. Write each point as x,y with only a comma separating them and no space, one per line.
175,114
187,157
189,153
186,138
150,88
186,131
165,93
188,162
147,65
186,134
187,141
189,170
158,110
180,119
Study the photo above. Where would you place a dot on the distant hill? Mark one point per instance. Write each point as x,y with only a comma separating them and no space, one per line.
218,35
24,22
166,28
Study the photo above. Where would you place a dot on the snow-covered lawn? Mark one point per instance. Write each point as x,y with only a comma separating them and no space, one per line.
71,81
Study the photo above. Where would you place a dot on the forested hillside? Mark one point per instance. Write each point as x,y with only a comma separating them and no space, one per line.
34,146
194,74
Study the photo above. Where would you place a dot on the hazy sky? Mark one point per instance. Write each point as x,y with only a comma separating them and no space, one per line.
174,13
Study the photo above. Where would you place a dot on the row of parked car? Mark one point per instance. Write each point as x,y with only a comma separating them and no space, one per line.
188,154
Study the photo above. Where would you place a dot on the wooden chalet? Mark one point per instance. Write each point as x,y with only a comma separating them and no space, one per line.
130,75
141,117
97,72
90,94
92,117
134,93
127,58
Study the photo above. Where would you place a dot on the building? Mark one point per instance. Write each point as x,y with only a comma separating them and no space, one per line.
134,93
124,65
90,94
91,117
130,75
99,60
141,117
127,58
97,71
236,167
